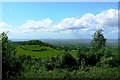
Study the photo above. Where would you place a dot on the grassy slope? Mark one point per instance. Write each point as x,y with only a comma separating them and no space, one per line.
42,54
49,52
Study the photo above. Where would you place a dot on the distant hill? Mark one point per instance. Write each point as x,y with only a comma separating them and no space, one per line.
33,42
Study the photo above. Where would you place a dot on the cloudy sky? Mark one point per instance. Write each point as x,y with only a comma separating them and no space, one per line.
55,20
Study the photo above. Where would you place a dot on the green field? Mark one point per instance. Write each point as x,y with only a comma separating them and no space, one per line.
43,54
49,52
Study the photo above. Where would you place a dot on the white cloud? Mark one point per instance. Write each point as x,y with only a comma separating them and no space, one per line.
108,18
87,24
115,31
90,21
4,27
32,24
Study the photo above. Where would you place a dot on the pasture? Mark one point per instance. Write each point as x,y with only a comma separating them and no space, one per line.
41,54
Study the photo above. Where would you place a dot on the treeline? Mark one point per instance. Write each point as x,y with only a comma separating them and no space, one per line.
33,42
40,50
101,58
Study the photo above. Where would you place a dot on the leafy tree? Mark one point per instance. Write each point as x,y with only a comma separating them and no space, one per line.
81,57
88,58
68,61
11,65
49,64
98,41
111,61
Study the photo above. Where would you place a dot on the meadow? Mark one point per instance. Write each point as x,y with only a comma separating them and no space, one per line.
38,54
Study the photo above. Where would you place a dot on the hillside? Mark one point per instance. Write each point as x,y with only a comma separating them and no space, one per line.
36,51
32,42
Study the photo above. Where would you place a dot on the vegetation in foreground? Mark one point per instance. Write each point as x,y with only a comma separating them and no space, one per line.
36,59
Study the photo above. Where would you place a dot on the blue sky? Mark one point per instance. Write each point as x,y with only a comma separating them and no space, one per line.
60,0
17,13
58,20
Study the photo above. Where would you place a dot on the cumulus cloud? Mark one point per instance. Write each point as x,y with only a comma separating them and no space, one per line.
4,27
90,21
34,25
108,18
87,24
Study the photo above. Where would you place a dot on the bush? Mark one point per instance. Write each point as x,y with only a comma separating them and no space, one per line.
112,61
49,65
108,52
68,61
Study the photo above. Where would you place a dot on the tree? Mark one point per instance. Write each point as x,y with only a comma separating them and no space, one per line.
10,64
99,41
68,61
81,57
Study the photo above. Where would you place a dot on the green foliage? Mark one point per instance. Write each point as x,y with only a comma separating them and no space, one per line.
81,57
108,52
99,41
67,60
30,42
63,61
33,48
11,65
116,59
36,59
111,61
33,42
89,58
96,73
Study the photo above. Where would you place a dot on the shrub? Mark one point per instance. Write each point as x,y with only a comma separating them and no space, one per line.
108,52
68,61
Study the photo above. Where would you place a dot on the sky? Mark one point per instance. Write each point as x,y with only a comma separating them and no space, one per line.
60,0
59,20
